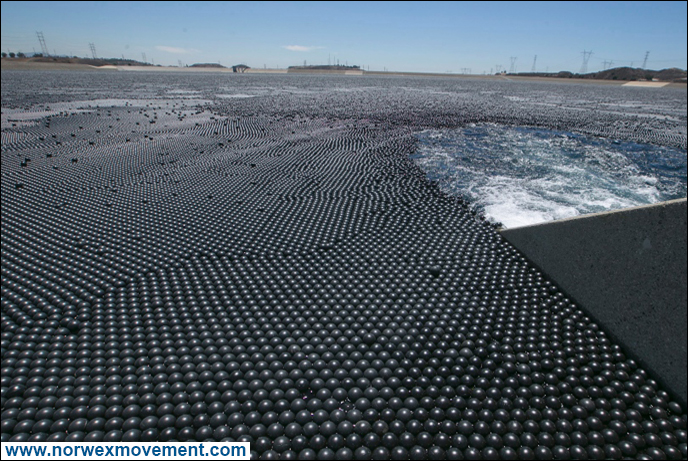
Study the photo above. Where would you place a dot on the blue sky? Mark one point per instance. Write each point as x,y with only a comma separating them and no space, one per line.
400,36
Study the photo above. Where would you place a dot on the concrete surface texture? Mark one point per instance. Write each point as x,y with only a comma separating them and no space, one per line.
627,269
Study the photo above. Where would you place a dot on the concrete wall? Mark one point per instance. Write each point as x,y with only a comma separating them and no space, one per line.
265,71
325,71
627,270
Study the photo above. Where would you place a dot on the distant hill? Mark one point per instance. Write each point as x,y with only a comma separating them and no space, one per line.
88,61
620,73
208,64
630,73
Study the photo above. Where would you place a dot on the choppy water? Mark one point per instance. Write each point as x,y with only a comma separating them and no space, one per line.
519,176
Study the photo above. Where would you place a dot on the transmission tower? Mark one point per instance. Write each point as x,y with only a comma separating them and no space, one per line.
143,55
647,53
93,50
534,61
586,57
44,47
512,69
180,62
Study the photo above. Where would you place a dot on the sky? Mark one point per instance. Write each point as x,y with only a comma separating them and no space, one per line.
457,37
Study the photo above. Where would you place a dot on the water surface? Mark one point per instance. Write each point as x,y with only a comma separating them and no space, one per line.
519,176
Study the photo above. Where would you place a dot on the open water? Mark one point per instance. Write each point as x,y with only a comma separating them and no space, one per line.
519,176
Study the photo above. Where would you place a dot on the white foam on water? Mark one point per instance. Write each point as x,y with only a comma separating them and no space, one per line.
521,176
516,203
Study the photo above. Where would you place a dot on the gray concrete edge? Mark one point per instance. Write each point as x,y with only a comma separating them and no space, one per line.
639,300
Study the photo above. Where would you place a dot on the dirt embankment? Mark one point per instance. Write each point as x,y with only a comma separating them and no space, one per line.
24,64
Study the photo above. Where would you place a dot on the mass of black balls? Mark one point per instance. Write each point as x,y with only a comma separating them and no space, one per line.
179,264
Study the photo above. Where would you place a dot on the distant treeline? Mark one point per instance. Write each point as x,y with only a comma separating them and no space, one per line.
208,64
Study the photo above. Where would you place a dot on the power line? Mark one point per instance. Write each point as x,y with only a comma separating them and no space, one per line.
586,58
647,53
18,42
44,47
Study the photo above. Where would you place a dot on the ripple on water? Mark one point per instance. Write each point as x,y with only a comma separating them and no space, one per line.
519,176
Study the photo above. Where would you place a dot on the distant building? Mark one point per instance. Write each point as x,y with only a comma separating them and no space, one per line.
240,68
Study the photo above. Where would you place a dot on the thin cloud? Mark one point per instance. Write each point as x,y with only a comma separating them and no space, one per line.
302,48
174,50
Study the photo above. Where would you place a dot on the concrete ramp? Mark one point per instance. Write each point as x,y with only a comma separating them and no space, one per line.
627,269
647,84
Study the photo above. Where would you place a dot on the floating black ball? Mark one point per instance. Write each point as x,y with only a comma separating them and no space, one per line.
277,270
